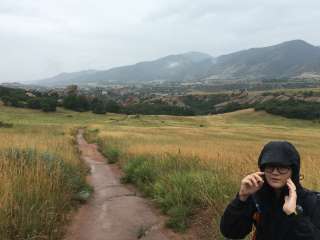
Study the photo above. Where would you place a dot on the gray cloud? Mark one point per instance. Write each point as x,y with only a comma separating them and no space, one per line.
42,38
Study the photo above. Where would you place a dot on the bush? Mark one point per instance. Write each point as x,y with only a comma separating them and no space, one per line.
179,218
176,189
13,97
12,101
111,152
34,103
5,125
141,172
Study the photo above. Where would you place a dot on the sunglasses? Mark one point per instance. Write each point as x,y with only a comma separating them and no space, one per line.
280,169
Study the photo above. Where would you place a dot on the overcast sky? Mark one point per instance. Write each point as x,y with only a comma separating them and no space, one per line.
41,38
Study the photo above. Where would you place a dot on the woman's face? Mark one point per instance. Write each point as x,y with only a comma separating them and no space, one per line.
277,176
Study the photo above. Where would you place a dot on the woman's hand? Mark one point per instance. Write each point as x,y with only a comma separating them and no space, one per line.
250,184
290,202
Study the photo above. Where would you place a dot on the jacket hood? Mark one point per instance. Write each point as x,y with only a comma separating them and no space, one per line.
282,153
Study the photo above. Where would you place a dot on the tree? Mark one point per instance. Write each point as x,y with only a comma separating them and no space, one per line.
76,103
112,106
34,103
48,105
98,106
12,101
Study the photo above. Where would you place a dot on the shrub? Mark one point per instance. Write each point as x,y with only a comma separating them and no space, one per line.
110,151
5,125
141,172
179,218
34,103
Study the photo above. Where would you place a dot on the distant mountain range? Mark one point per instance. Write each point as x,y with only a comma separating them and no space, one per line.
292,59
285,60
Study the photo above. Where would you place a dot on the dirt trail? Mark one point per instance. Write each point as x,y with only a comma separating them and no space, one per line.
114,212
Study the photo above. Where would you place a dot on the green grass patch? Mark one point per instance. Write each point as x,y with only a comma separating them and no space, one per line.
178,185
111,151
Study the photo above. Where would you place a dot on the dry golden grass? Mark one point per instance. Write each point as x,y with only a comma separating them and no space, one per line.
231,141
35,161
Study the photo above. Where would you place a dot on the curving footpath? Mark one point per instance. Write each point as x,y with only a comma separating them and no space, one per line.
114,212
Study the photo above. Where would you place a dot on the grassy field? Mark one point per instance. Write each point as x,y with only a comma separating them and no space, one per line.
41,175
188,165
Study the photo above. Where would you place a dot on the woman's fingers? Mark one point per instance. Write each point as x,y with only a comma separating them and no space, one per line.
251,182
291,184
247,182
254,181
292,188
258,178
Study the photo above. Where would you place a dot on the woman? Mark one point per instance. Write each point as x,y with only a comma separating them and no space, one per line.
273,200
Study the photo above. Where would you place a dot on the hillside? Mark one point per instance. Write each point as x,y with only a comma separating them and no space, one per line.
288,60
182,67
285,60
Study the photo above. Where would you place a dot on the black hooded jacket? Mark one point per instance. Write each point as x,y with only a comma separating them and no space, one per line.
237,220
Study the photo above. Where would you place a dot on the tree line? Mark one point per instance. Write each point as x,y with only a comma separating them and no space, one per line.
192,105
35,100
291,109
48,102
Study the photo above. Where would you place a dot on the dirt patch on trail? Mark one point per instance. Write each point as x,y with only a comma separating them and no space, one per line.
114,212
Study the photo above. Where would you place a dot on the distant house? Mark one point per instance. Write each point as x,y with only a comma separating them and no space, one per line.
71,90
131,100
29,94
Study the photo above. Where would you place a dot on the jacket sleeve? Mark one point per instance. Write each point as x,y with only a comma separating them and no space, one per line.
306,227
236,222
